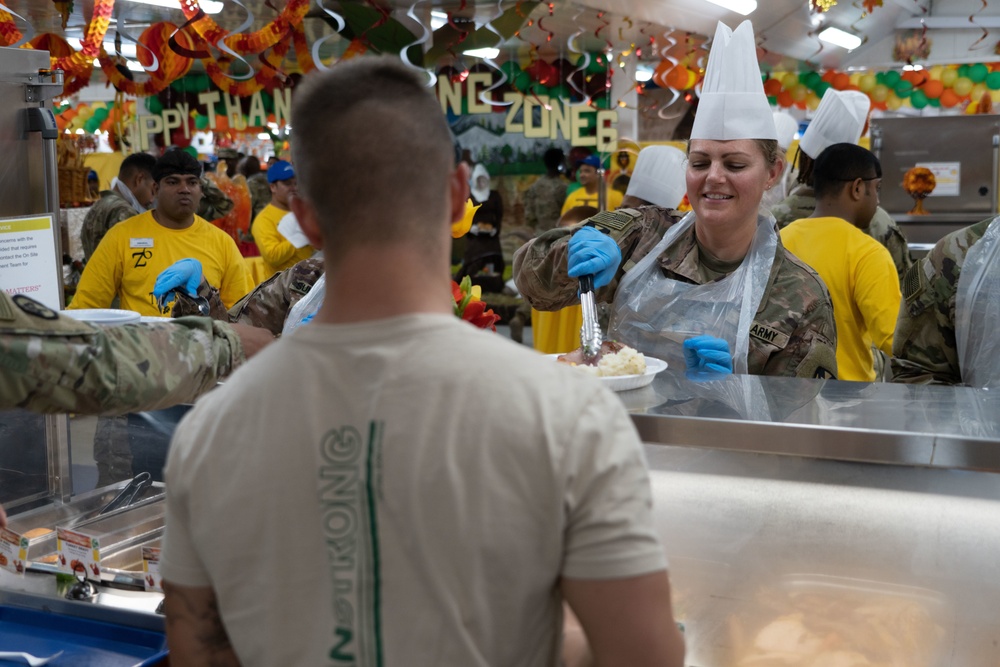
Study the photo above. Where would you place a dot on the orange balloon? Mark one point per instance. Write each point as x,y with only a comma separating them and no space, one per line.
785,99
949,98
772,87
933,89
828,75
841,81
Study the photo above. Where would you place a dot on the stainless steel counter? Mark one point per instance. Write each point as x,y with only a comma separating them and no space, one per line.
948,427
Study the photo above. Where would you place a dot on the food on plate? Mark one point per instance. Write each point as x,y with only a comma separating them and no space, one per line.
614,359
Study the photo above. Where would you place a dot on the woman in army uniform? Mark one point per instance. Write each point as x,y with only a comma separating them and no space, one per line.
715,291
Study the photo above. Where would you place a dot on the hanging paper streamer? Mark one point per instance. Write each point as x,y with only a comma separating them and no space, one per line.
341,24
582,64
485,96
302,55
972,20
425,35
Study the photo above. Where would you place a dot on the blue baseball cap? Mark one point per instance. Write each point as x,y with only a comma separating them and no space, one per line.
592,160
280,171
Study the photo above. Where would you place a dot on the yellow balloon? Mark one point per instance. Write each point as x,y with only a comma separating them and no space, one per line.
789,80
995,96
948,77
812,101
867,82
893,103
978,90
855,78
880,93
936,72
971,107
962,86
799,93
85,113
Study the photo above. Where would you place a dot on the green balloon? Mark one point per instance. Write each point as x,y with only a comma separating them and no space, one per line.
993,80
538,89
891,78
101,114
510,68
919,99
267,101
92,125
978,73
772,100
154,105
963,70
934,101
880,78
201,122
904,88
822,88
561,91
204,83
521,81
598,63
814,80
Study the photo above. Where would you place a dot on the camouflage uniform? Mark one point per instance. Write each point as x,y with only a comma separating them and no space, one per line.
214,202
267,305
923,347
106,212
801,203
543,202
795,334
50,363
260,194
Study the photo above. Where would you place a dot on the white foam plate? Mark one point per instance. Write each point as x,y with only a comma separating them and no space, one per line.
106,317
627,382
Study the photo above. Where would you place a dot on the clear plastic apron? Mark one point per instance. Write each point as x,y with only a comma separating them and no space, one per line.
656,314
977,311
306,306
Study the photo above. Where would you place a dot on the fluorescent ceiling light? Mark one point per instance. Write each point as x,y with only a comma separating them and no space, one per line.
438,19
209,6
743,7
838,37
487,53
643,73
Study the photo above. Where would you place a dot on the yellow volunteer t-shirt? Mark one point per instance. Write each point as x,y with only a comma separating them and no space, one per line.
863,284
580,197
278,253
135,251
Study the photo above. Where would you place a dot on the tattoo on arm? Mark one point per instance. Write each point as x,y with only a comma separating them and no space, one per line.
194,628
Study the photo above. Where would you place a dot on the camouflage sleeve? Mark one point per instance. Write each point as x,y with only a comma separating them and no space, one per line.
214,202
797,296
923,346
885,230
99,219
540,264
56,364
268,304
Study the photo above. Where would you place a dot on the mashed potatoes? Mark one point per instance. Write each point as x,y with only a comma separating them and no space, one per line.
626,361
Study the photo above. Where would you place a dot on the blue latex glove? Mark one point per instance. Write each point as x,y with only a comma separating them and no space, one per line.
184,273
708,354
592,252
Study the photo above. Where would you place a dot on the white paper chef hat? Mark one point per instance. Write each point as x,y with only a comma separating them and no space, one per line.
786,126
481,191
658,176
839,119
733,104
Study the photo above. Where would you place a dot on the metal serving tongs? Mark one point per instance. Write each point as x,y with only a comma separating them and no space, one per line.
590,332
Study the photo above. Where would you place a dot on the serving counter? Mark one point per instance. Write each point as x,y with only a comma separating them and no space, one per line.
792,542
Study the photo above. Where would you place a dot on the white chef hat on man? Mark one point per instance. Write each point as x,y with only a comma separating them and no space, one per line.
840,119
733,104
658,176
786,127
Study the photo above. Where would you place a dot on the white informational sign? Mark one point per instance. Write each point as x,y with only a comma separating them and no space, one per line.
28,259
948,176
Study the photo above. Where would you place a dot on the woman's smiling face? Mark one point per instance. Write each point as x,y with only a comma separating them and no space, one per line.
726,180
